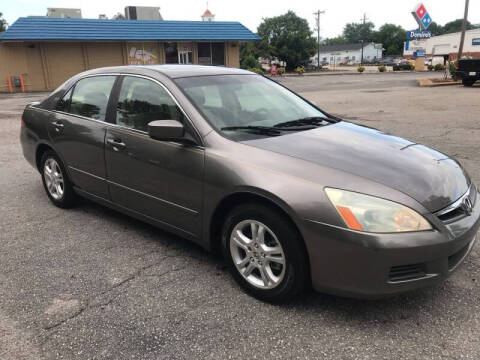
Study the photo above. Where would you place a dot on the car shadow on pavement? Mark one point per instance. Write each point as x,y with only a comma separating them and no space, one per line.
385,310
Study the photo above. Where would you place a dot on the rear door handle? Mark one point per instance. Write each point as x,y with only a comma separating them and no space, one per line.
117,144
57,125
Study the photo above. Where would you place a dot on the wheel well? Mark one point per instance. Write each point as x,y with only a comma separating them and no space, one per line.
231,201
39,153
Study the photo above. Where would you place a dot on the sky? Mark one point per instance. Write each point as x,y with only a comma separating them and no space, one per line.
251,12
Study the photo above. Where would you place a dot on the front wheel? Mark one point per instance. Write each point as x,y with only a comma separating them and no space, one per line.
265,253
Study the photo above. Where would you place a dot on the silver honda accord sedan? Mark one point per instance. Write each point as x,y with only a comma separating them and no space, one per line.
292,196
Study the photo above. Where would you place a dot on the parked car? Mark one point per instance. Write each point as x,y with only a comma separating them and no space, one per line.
468,70
292,196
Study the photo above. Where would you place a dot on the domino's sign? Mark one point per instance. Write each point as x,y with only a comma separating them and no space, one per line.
422,17
418,34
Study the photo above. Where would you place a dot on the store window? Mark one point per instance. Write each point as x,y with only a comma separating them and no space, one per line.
211,53
204,54
171,53
218,54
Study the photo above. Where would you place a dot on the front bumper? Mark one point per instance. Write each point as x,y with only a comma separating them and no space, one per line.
364,265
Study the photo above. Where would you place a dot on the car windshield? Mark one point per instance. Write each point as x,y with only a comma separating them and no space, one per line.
250,106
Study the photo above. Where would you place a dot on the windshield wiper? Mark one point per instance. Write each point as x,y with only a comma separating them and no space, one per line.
261,129
307,121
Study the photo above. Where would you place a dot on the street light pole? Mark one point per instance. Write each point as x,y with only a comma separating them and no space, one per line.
317,19
464,27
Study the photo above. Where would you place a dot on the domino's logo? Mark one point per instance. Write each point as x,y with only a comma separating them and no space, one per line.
426,20
422,16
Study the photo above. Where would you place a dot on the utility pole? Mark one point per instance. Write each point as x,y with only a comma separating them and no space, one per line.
464,27
317,19
364,19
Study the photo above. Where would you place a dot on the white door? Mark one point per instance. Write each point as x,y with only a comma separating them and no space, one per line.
185,57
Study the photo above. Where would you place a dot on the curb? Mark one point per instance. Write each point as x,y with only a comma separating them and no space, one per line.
331,73
429,83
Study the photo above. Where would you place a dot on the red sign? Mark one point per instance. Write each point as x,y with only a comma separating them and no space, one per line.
421,11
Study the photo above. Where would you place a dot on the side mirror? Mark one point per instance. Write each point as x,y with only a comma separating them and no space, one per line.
166,130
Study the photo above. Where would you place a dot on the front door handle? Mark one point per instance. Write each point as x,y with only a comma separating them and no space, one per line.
57,124
116,144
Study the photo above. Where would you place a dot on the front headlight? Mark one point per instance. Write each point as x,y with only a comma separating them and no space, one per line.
371,214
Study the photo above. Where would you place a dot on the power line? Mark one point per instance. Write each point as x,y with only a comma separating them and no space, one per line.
317,19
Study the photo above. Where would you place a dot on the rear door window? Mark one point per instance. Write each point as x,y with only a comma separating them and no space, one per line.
90,97
64,103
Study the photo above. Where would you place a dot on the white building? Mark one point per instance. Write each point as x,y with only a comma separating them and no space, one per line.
348,54
64,13
143,13
446,45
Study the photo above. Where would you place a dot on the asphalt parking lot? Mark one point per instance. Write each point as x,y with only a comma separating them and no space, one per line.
90,283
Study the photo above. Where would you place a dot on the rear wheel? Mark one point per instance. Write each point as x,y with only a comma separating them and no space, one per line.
55,181
468,81
265,253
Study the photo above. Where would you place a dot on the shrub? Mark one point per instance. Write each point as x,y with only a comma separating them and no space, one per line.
300,70
453,70
404,67
430,67
257,70
382,68
439,67
361,69
249,62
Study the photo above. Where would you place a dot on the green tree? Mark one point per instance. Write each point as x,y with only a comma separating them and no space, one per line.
391,37
456,26
3,23
289,38
339,40
356,32
435,29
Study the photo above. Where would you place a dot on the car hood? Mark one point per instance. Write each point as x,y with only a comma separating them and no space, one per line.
428,176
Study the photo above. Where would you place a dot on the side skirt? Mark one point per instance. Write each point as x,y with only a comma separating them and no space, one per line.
139,216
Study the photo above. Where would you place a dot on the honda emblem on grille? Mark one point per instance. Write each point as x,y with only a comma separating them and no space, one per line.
467,206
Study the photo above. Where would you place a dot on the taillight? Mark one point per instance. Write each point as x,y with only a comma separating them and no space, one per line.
456,65
22,122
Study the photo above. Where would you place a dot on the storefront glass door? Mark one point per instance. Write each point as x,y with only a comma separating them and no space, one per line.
185,57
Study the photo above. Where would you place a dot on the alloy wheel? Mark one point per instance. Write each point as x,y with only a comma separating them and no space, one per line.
53,178
257,254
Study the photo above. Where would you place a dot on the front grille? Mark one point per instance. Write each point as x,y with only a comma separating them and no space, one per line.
456,210
453,215
454,259
407,272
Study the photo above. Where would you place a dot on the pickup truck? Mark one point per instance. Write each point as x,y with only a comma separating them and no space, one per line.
468,70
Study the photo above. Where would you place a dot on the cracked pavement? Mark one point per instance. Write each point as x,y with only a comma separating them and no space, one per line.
90,283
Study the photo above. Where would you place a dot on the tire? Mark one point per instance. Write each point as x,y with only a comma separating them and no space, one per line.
279,283
57,185
468,82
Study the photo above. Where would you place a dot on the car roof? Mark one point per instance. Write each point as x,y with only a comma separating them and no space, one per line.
178,71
